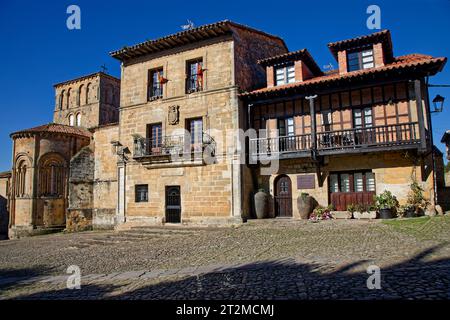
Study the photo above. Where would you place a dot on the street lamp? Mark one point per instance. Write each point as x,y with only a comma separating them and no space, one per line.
438,103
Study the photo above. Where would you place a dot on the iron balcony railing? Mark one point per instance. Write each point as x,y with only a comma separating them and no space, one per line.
194,83
173,145
328,141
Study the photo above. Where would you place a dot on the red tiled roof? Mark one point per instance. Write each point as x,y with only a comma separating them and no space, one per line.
184,37
383,36
400,63
302,54
56,128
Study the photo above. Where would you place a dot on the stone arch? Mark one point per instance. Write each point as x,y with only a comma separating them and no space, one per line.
22,176
52,175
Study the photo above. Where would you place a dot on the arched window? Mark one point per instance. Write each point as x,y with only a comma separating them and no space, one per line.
61,100
20,180
80,97
71,120
69,92
52,176
78,119
88,89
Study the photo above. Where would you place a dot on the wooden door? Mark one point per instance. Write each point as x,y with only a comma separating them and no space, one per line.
283,197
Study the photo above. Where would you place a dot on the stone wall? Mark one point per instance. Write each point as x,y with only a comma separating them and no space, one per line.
4,211
249,47
105,177
79,212
393,172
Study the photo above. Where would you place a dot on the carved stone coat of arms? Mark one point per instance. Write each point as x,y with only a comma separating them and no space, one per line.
173,115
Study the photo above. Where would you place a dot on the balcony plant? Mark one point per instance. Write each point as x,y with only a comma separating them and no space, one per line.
304,205
386,204
261,202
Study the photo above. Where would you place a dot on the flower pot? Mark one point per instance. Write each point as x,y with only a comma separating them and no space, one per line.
261,204
410,213
304,206
386,213
357,215
372,214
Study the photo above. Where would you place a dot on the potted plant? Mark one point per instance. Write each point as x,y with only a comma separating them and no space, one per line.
321,213
372,210
359,210
261,201
351,208
416,200
386,203
407,211
304,205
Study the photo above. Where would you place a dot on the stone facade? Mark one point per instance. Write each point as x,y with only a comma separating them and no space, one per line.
133,151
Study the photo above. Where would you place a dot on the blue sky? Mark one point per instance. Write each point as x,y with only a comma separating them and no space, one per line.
37,50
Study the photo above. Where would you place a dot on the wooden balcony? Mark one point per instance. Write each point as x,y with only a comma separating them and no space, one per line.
379,138
174,149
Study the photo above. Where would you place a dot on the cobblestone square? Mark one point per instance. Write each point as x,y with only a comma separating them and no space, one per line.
268,259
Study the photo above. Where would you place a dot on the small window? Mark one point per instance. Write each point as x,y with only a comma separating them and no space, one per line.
361,59
286,127
326,120
194,80
362,118
196,130
284,74
154,138
79,119
141,193
155,84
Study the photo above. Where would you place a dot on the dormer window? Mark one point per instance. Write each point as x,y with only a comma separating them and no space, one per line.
360,59
284,74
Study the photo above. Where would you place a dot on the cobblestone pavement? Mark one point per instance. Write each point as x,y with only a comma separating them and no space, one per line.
273,259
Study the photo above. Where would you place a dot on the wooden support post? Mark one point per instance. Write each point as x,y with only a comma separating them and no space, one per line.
312,112
420,115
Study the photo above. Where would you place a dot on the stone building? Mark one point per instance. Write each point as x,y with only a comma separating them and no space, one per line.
4,205
345,135
162,144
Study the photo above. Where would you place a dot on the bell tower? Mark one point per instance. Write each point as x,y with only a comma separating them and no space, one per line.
89,101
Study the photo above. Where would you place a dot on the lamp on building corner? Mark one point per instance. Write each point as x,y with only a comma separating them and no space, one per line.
438,103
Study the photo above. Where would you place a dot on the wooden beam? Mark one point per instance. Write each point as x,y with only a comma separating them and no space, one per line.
312,112
420,115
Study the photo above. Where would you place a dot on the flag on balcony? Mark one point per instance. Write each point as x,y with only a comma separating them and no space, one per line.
200,71
161,79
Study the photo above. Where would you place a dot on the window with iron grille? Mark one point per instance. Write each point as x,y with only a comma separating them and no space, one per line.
141,192
155,87
194,80
360,59
284,74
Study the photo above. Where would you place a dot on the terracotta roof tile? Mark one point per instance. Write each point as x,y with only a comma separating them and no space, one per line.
399,63
56,128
